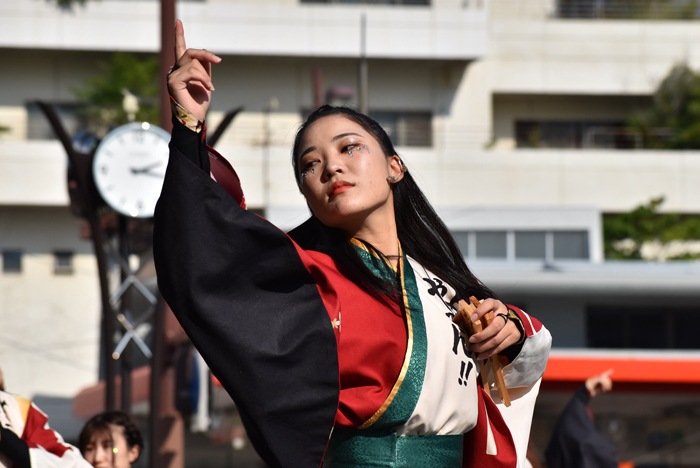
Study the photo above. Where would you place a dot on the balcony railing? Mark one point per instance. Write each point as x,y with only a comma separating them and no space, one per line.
629,9
623,138
590,135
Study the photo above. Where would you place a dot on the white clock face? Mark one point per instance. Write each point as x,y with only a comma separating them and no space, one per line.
129,167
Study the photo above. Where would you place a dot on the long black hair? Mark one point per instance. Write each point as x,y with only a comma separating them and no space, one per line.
422,233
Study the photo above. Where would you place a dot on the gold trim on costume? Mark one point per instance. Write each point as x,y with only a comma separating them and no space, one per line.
407,358
386,260
24,406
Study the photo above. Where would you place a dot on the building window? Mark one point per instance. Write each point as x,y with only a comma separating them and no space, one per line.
63,263
12,261
523,245
406,128
570,245
661,327
491,244
39,128
530,245
576,134
637,10
463,241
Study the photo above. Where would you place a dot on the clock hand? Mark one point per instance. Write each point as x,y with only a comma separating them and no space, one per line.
153,174
145,169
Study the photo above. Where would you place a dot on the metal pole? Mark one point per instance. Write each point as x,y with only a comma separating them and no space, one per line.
317,78
124,306
82,163
157,366
273,106
167,59
108,325
363,72
266,160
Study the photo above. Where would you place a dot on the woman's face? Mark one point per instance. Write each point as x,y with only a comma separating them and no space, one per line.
110,450
344,173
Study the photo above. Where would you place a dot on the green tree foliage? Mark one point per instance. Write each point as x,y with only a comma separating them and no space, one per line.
646,224
673,122
103,95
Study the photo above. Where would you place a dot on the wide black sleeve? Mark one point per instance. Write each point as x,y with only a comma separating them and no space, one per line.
248,303
14,448
576,442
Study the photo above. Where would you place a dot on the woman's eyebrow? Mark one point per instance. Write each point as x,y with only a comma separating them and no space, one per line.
307,151
335,138
343,135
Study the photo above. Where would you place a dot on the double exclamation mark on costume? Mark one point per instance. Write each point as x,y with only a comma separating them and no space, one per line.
463,378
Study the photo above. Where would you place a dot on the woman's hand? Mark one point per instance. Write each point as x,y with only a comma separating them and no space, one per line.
497,336
191,84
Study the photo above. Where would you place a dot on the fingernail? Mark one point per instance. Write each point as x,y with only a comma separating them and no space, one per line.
471,339
475,316
217,58
211,86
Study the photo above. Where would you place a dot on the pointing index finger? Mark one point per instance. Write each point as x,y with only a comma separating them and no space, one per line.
180,45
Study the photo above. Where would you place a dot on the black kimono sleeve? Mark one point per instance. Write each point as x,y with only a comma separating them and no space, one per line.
576,442
14,448
248,303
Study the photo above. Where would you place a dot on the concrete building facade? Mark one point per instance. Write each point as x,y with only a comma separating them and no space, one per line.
463,86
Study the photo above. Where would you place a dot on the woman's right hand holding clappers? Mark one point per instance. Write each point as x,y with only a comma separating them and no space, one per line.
190,85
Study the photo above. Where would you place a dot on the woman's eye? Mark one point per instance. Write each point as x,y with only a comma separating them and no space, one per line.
309,164
347,148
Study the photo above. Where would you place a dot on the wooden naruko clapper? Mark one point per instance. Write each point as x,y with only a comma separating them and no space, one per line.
465,310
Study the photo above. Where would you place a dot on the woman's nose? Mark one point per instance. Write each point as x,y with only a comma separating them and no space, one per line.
335,164
102,454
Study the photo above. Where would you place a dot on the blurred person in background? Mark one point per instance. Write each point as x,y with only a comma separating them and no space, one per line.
111,439
27,441
576,442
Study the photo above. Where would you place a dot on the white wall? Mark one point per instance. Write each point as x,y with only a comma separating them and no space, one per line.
33,173
251,28
587,56
49,323
608,180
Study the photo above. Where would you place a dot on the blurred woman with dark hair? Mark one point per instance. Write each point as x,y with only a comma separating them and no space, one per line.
111,440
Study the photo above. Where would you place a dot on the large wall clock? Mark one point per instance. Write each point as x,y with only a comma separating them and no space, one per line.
129,167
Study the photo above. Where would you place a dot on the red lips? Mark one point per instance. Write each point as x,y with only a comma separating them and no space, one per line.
338,187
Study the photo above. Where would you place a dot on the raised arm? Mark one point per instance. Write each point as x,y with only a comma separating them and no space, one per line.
240,289
190,82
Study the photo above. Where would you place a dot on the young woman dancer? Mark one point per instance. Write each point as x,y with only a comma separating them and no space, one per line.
336,341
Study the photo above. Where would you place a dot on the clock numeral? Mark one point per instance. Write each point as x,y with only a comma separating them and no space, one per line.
137,136
109,188
104,169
